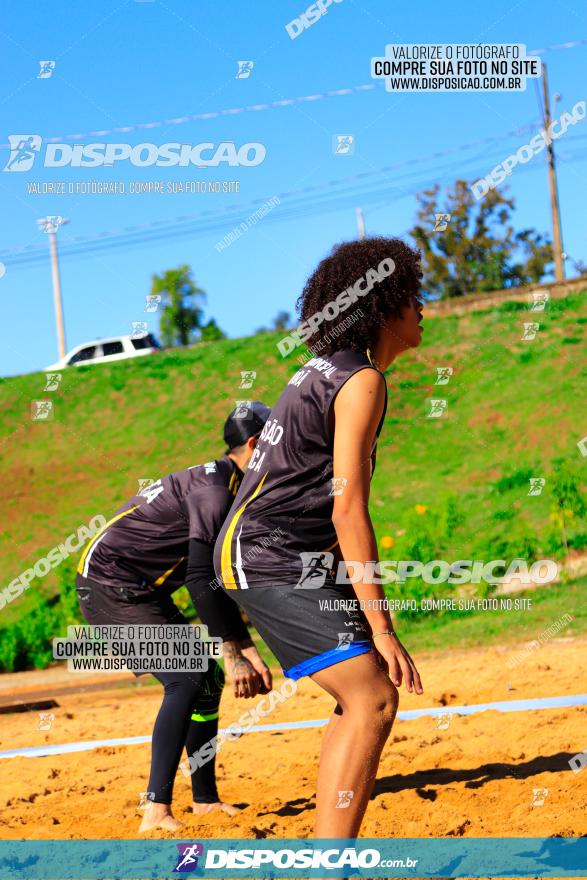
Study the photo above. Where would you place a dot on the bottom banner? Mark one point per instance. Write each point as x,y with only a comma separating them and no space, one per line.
413,857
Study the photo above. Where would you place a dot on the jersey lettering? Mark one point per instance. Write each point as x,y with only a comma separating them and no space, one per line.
146,538
299,377
322,366
286,490
151,492
272,432
256,460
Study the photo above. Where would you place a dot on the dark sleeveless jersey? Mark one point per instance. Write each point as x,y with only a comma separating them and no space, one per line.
145,544
284,505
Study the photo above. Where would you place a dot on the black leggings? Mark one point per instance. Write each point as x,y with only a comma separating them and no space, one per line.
189,712
188,717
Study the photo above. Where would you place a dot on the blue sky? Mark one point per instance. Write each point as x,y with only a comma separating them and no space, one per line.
125,63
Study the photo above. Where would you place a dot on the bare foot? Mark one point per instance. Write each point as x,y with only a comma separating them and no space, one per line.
159,816
202,809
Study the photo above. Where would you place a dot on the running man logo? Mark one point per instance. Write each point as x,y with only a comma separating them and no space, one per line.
46,720
50,223
343,145
437,408
536,485
247,378
23,151
530,331
344,640
41,410
245,68
52,381
539,795
344,799
441,222
46,71
338,485
153,301
443,374
243,409
315,567
187,860
146,798
443,721
539,300
139,328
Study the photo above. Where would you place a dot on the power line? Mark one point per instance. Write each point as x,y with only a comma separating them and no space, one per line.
251,108
571,45
215,114
394,192
302,191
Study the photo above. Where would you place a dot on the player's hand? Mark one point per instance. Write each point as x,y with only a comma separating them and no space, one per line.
398,664
242,675
254,658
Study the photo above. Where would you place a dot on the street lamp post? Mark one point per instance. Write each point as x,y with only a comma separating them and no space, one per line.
50,225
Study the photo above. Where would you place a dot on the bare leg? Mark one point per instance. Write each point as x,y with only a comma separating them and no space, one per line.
203,809
353,743
328,735
159,816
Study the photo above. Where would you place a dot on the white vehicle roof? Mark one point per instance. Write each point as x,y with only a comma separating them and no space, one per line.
92,343
109,339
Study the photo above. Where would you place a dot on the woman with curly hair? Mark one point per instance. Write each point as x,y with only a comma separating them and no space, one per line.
302,508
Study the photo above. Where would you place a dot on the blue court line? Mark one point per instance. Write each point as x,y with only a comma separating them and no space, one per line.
406,715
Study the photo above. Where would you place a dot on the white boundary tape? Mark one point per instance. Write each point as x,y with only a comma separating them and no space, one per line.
408,714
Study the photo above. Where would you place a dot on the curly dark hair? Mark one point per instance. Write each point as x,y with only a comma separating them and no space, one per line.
347,264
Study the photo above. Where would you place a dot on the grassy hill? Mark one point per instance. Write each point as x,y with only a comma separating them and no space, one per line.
455,486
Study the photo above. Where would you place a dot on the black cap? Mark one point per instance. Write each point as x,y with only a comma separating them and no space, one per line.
246,420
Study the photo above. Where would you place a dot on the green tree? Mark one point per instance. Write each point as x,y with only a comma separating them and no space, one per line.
181,314
478,250
281,321
211,332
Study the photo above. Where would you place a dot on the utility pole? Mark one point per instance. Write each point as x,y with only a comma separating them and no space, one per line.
50,225
559,268
361,223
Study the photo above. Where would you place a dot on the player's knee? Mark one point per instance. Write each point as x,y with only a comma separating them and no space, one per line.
207,698
377,706
386,703
183,691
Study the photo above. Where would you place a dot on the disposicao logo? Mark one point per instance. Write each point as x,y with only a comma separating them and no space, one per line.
24,149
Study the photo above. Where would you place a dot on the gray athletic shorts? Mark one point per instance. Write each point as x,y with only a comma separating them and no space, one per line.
307,629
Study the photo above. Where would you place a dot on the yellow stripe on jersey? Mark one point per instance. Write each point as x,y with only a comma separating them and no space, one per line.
107,525
166,574
231,486
225,557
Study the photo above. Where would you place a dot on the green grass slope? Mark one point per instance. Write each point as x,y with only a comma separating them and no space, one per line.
448,488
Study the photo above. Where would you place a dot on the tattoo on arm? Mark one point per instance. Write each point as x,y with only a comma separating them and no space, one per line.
230,649
239,665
